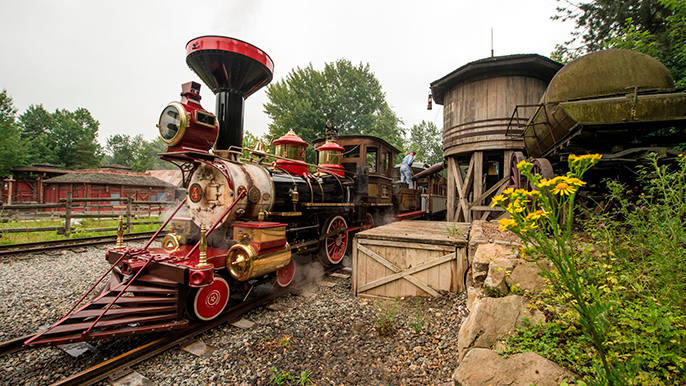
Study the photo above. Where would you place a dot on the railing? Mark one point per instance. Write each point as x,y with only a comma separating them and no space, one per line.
71,208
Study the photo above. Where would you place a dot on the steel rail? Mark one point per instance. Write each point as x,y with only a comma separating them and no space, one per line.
149,350
13,345
15,249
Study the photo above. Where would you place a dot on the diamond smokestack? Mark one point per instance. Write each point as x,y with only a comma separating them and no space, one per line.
234,70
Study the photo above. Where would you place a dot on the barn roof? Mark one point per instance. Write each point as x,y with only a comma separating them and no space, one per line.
42,167
106,177
174,177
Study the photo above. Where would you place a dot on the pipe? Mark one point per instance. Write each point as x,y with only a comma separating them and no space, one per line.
431,170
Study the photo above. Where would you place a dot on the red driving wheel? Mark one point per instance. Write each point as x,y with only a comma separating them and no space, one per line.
285,275
333,248
210,301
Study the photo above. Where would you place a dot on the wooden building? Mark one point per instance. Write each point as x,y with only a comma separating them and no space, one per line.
25,184
106,182
486,105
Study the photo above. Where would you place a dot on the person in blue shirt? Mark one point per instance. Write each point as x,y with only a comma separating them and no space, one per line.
406,168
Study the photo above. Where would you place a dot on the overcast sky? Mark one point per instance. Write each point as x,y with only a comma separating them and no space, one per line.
125,60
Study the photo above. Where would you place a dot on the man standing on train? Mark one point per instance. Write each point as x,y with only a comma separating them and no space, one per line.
406,168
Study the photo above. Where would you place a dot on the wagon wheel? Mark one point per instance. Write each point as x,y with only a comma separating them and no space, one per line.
516,179
207,303
333,248
543,167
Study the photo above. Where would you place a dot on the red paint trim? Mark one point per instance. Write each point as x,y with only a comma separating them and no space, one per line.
224,43
410,215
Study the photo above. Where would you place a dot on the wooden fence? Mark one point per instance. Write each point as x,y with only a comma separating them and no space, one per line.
71,208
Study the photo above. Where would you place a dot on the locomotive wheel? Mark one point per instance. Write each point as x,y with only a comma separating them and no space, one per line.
332,249
208,302
285,275
516,178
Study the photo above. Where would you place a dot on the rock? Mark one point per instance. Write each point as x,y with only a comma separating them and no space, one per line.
526,277
493,318
482,367
498,270
485,253
473,296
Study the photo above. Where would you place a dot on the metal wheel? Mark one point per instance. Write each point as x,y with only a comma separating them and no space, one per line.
333,248
285,275
516,178
543,167
209,302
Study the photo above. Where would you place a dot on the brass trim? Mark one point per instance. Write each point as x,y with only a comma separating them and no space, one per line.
321,188
310,185
183,125
327,204
203,123
381,204
285,214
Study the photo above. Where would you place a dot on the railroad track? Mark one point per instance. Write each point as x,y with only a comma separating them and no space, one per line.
44,246
103,370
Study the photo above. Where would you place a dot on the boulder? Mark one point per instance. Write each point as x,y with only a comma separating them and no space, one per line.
485,253
483,367
473,296
527,277
498,270
491,319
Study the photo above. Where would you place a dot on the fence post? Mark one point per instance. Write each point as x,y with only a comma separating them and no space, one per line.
67,214
128,214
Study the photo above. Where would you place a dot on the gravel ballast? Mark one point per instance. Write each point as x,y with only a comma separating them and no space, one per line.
327,332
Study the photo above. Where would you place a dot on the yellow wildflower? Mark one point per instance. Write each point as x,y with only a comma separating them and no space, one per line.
536,215
508,191
563,188
507,223
575,181
523,164
497,200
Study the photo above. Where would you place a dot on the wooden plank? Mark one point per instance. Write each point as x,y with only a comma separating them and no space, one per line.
432,247
489,191
407,274
381,260
478,178
355,265
450,204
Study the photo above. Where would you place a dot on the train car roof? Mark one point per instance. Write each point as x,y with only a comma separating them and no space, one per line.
356,136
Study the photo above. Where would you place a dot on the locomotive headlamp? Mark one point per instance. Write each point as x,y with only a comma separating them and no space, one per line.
185,125
173,123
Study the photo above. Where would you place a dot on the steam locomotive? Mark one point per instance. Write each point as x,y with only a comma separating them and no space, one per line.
247,215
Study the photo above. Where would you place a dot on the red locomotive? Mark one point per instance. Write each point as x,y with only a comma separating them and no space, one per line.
245,218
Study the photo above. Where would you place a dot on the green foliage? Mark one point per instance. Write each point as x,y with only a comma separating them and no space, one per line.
64,138
12,149
386,317
285,377
280,377
638,278
654,27
135,152
419,320
426,140
349,96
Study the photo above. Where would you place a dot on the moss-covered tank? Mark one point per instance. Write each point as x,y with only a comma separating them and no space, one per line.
613,95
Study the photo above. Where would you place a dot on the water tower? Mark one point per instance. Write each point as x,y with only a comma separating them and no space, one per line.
486,104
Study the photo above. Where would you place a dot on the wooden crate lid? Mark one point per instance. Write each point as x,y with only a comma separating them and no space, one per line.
426,232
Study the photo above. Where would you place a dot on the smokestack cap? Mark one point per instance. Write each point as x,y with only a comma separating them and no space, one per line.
227,64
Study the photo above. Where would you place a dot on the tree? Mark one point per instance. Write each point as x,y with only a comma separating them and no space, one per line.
12,149
75,137
654,27
426,140
36,131
349,96
135,152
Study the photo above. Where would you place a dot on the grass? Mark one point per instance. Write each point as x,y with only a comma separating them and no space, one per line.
82,230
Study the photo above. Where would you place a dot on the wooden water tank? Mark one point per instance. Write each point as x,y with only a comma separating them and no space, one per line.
480,97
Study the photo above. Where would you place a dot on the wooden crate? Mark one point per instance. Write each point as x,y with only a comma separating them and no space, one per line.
410,258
